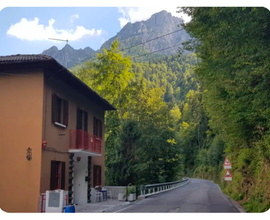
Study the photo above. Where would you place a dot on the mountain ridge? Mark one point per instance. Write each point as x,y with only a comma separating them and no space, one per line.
160,31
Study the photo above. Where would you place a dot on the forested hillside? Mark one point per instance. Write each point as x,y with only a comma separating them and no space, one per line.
184,114
234,47
143,142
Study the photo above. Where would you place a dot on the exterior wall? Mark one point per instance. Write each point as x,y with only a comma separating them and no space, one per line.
20,127
58,138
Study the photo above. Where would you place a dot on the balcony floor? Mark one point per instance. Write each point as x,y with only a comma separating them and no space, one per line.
84,152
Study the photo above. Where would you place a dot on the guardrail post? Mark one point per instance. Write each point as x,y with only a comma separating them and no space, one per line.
142,190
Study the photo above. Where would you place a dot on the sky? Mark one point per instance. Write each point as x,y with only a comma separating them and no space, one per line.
25,26
26,30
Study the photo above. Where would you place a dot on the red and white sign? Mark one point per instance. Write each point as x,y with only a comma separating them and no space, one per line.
227,164
228,176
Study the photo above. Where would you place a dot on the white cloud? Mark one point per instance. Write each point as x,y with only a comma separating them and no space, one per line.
99,32
31,30
130,14
123,21
73,17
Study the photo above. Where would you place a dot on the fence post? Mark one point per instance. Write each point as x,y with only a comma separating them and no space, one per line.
142,190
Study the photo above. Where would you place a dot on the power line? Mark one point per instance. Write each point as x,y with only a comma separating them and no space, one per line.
157,50
152,39
143,43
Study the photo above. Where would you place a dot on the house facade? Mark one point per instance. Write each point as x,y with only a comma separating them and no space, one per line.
52,133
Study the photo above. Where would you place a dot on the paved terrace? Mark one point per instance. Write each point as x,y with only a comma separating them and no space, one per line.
101,206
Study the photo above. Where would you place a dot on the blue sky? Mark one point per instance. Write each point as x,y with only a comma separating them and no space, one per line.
25,30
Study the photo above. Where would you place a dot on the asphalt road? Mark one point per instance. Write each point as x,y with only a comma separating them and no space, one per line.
196,196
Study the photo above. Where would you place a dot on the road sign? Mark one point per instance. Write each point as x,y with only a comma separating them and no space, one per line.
227,164
228,176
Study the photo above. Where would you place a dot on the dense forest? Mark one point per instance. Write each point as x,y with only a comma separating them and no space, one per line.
233,45
182,115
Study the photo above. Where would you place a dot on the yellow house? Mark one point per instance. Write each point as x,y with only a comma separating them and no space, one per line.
52,133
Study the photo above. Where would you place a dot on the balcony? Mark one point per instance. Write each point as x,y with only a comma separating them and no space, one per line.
82,141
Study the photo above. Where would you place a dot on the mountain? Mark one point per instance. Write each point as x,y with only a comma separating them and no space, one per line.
161,32
68,56
159,24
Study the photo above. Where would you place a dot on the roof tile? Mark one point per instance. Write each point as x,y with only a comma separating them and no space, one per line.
24,58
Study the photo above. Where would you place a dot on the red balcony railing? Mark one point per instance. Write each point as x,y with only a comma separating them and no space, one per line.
79,139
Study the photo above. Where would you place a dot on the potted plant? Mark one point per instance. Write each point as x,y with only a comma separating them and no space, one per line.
131,194
122,196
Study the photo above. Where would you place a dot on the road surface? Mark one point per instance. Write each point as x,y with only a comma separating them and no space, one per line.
197,196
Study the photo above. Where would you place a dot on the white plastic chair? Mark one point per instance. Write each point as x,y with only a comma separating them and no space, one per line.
109,193
99,196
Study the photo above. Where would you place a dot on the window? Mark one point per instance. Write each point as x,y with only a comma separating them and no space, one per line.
82,120
57,175
97,175
97,127
59,111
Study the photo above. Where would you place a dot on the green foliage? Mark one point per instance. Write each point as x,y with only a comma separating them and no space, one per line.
233,45
185,114
142,146
131,190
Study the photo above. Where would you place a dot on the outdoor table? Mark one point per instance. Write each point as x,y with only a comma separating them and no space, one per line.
104,193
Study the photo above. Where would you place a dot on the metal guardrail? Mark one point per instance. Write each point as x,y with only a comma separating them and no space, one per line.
159,187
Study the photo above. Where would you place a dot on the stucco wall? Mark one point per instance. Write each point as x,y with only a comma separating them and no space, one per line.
21,111
57,137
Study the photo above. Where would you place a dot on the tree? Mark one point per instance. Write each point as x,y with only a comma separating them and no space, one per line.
233,45
140,143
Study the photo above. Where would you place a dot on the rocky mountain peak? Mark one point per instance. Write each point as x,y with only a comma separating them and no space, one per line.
67,48
68,56
52,49
161,26
88,50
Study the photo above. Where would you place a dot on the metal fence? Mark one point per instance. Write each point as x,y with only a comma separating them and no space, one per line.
159,187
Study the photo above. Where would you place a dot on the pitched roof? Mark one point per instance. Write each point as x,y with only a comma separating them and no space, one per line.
47,62
24,58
